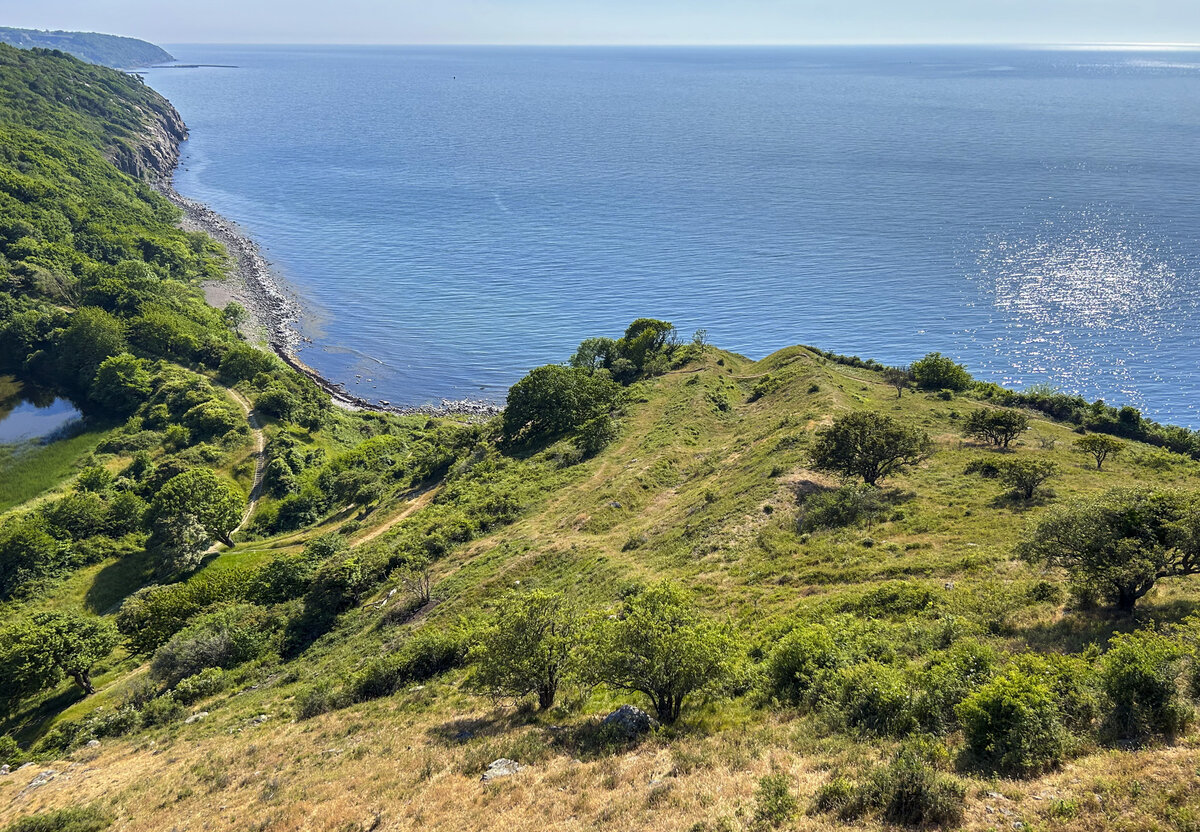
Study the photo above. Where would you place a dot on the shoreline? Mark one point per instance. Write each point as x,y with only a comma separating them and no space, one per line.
256,286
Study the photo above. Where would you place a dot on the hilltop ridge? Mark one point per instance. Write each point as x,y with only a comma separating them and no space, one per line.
107,50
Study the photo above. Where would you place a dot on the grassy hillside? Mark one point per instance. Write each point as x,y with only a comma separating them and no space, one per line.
704,487
227,605
107,50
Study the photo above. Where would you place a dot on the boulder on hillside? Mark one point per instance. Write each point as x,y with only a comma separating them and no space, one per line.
629,722
503,767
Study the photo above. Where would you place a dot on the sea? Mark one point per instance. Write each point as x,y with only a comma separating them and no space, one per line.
451,217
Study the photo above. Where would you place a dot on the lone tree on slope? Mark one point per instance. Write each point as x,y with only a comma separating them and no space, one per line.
869,445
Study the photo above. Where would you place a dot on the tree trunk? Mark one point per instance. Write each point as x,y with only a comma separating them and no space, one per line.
84,680
226,539
546,695
1126,598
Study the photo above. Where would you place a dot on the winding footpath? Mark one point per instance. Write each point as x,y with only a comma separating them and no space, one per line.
260,462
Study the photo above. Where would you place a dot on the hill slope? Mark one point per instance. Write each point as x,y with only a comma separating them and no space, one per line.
662,525
95,48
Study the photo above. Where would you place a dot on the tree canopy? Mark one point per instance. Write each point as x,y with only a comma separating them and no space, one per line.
869,445
526,648
1119,544
660,646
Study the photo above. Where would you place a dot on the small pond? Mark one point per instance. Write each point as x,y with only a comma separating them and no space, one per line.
27,413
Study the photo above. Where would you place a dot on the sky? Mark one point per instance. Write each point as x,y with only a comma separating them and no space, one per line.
620,21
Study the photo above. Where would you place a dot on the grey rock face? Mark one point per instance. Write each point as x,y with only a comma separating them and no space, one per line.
629,721
503,767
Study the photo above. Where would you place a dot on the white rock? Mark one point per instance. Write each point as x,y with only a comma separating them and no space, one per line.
503,767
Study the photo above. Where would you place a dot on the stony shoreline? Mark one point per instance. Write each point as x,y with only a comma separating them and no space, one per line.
255,285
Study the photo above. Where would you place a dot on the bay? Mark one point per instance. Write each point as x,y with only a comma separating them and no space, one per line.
452,216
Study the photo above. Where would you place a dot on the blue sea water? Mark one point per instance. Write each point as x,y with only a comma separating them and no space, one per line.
451,217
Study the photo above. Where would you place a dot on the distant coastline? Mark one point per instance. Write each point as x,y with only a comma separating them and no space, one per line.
274,311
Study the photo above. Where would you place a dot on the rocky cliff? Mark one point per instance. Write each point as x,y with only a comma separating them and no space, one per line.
152,156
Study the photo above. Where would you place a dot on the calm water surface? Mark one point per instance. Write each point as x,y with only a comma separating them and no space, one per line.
27,414
451,217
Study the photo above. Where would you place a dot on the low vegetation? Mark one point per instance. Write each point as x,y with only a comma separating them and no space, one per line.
846,594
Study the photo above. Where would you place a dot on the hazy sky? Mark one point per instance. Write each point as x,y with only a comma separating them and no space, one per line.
619,21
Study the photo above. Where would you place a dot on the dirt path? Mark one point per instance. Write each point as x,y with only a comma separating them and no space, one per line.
260,463
419,502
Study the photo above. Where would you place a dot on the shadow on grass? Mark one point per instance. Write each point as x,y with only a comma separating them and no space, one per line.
499,735
26,727
117,581
1078,629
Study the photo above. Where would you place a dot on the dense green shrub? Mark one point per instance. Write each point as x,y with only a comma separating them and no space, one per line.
151,616
877,698
553,400
162,710
426,654
947,678
799,668
1073,683
224,638
936,372
774,803
909,791
1139,675
206,683
1012,725
841,507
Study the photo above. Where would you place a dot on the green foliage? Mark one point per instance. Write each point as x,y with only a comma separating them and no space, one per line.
1000,427
1139,675
774,803
764,386
151,616
10,752
426,654
643,350
28,555
527,646
658,645
202,685
936,372
109,50
1100,448
908,791
846,506
1117,545
870,446
1012,725
877,698
799,668
552,400
1025,475
224,638
197,496
243,362
121,384
38,651
71,819
947,678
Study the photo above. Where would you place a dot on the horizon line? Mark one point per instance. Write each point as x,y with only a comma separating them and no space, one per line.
1115,45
